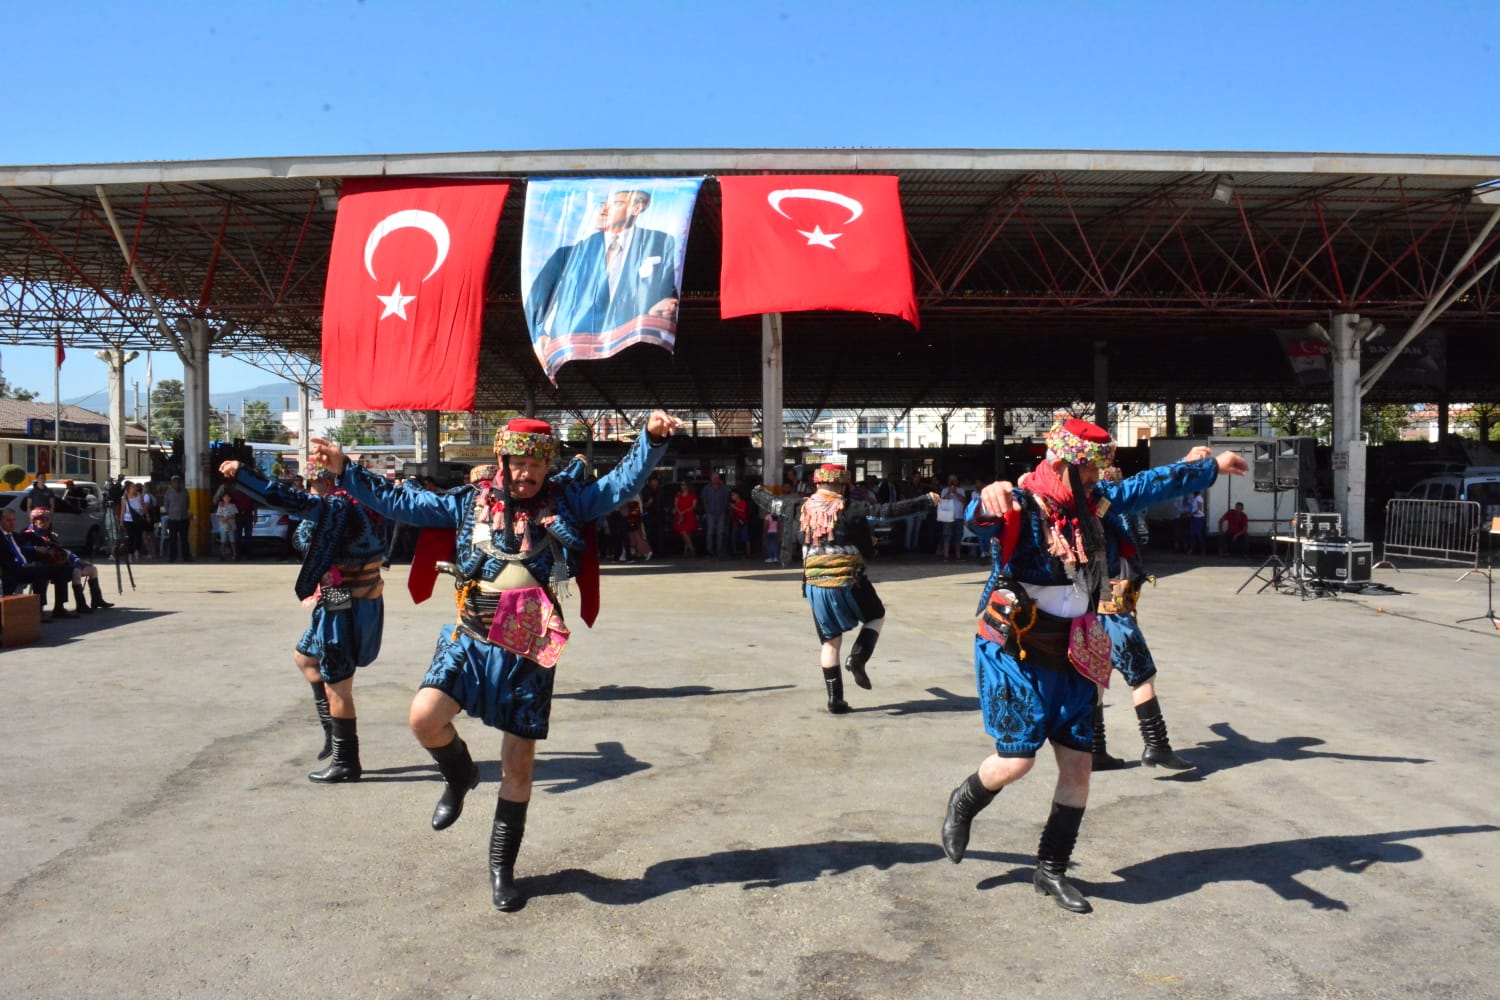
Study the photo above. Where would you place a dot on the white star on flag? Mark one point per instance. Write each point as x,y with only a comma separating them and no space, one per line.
395,303
818,238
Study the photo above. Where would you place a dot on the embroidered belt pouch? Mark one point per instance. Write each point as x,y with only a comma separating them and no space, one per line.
524,620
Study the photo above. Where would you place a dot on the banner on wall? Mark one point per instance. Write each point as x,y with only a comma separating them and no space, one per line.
601,264
814,241
405,296
1422,364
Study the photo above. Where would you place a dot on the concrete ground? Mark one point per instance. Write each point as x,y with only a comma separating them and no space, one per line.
701,827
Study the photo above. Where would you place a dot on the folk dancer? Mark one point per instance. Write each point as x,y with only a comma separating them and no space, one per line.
835,537
1040,651
518,540
343,545
1128,650
49,548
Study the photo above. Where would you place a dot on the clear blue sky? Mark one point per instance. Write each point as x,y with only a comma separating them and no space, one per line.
108,82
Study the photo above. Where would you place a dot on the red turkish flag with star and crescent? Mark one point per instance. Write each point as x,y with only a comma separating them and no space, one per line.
405,295
814,241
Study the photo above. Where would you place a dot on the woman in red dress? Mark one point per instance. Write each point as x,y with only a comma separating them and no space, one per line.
685,520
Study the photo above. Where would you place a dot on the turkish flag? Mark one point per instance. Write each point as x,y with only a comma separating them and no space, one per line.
814,241
405,295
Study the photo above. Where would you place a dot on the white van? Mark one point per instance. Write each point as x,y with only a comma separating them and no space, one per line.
1479,483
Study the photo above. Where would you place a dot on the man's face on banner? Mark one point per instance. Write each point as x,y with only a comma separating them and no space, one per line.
618,211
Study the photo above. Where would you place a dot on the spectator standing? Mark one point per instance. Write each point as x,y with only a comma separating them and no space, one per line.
1197,525
950,519
244,523
39,497
174,505
224,517
739,525
134,515
715,501
910,490
685,517
771,533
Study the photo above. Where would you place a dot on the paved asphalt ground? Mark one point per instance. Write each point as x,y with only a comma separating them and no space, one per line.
702,828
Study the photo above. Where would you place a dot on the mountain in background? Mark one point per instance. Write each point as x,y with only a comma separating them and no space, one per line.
279,396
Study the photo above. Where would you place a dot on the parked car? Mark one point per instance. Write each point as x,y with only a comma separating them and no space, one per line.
1480,484
81,530
272,532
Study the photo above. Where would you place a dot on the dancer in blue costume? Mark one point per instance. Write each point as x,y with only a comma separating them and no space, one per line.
1040,652
343,547
835,535
518,539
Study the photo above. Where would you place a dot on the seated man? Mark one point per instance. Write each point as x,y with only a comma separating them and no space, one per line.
1234,531
19,568
49,549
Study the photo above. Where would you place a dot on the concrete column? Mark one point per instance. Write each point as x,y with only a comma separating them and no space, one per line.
772,432
1442,419
1348,445
116,359
197,339
304,421
1101,386
998,433
434,442
1170,427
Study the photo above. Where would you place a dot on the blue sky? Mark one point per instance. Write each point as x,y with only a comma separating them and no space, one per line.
108,82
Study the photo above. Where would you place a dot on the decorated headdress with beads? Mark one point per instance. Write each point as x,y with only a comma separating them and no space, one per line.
482,473
828,475
1079,442
525,436
1110,474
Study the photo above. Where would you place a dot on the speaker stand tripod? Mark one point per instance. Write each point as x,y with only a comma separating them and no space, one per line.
1489,587
1273,564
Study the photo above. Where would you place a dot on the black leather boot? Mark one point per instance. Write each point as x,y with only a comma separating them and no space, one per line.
460,774
345,764
59,596
1158,752
98,595
1052,854
864,645
963,805
505,845
320,701
834,682
79,601
1102,760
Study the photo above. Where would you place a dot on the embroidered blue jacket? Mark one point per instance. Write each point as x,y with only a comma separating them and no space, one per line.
333,528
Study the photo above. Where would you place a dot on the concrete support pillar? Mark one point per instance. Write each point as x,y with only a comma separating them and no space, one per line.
116,359
999,435
772,432
1101,386
197,339
1170,428
1442,415
434,442
1348,443
304,421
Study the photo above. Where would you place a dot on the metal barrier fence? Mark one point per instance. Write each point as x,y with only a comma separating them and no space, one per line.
1440,530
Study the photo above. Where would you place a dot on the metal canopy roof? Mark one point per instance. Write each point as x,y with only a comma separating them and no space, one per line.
1023,260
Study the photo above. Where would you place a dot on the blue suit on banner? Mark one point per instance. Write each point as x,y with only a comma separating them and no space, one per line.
571,293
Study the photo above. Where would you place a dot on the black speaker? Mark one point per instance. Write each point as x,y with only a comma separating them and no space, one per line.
1200,424
1263,468
1294,463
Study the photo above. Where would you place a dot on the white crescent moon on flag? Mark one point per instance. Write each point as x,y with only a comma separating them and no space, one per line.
409,218
775,198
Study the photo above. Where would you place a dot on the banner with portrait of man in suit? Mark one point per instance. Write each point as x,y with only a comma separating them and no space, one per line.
601,264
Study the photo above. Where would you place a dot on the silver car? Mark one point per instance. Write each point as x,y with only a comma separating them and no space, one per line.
80,526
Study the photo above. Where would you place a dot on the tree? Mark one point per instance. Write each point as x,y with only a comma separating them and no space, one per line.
261,426
8,391
166,410
1301,420
1384,423
354,431
1480,420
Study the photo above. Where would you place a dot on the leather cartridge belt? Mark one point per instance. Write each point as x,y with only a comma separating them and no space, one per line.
1039,638
364,582
478,605
1123,597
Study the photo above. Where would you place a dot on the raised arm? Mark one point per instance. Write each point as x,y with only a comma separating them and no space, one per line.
269,493
595,499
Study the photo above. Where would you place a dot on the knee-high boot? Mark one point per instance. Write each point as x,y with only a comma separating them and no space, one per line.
98,595
345,764
1053,854
1102,760
79,601
864,645
1158,752
320,702
460,774
963,805
834,682
505,845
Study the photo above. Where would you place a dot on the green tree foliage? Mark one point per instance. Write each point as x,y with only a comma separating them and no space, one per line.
261,425
354,431
1301,420
166,410
12,475
1481,420
8,391
1384,423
